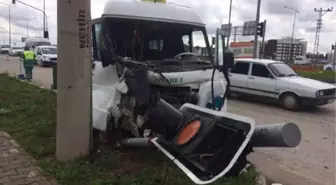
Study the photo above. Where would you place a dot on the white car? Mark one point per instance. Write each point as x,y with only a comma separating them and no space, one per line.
46,55
16,51
276,80
329,67
4,49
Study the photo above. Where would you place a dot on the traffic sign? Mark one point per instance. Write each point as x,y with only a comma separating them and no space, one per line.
249,28
226,29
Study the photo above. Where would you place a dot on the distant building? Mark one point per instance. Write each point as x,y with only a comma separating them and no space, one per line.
280,49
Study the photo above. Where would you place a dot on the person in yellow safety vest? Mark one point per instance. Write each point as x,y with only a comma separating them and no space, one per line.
28,58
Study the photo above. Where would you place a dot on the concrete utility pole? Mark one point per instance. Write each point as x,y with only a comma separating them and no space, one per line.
293,30
256,30
74,78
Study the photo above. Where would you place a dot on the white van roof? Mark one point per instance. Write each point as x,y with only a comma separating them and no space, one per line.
163,12
46,46
37,39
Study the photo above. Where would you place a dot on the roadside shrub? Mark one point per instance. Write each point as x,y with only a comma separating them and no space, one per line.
325,76
308,68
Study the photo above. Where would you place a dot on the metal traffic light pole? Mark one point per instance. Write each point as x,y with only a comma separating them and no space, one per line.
45,17
74,79
256,30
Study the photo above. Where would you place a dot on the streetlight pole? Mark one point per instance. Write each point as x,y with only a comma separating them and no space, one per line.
28,25
292,38
228,37
9,23
44,20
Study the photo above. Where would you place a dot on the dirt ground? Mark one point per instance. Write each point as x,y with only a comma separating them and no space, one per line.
313,162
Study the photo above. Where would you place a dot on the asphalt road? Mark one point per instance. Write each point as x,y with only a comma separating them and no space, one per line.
313,162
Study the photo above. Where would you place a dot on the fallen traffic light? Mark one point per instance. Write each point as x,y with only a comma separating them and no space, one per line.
206,144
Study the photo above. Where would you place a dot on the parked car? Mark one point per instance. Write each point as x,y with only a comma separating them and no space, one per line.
4,49
276,80
46,55
16,51
329,67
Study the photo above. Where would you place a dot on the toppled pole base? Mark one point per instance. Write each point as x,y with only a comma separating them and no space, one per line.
276,135
135,143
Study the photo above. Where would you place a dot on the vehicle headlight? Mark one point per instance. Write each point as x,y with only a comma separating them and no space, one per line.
45,57
319,93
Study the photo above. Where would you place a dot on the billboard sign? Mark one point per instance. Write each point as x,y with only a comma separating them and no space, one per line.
243,49
249,28
226,29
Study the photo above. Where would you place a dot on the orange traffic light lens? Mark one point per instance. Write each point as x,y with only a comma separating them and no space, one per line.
188,132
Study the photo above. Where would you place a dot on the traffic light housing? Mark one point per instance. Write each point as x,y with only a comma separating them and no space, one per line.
261,29
332,47
205,144
213,40
46,34
13,1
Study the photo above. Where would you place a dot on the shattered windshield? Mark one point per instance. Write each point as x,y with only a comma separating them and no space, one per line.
154,41
281,70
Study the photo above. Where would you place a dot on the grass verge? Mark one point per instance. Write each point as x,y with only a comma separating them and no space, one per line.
28,113
325,76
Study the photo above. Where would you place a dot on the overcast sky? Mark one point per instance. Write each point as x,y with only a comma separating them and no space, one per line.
213,12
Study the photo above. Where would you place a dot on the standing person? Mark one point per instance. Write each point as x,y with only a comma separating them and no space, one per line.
28,63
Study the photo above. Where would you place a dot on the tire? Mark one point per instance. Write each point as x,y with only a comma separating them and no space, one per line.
328,69
290,101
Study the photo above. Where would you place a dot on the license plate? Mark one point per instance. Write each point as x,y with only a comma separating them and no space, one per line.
331,101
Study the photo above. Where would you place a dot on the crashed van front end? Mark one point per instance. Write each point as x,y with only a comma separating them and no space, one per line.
156,83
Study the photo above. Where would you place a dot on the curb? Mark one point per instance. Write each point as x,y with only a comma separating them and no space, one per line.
35,171
34,83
